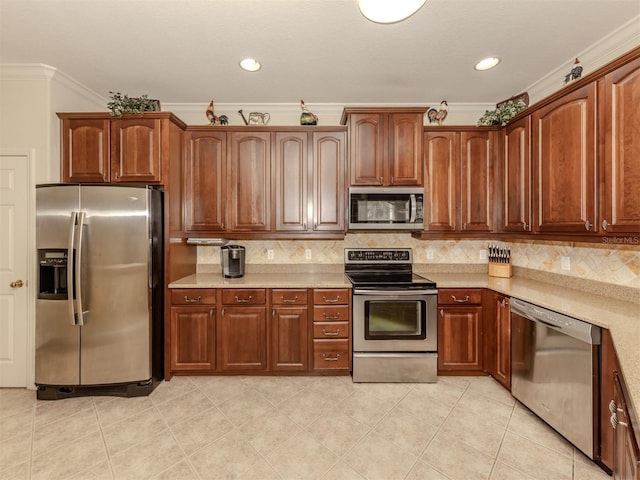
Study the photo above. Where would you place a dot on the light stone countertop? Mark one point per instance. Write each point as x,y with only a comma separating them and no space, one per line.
620,317
265,280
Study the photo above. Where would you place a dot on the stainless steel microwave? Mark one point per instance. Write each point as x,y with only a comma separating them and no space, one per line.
386,208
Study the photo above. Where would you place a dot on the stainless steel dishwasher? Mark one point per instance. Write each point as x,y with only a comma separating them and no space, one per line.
554,370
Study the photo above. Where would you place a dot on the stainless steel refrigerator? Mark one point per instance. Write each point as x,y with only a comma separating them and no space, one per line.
99,309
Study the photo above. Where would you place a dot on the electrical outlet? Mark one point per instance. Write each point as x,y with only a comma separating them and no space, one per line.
483,254
307,253
429,254
565,263
269,254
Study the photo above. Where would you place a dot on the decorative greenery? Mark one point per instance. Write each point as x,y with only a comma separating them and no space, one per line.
121,104
501,115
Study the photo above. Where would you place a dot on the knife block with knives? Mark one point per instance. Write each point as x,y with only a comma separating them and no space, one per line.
499,261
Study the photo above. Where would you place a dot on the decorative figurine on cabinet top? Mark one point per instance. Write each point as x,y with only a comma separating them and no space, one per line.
213,118
575,73
438,116
306,117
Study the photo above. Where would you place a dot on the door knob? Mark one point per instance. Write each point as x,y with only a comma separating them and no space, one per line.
16,284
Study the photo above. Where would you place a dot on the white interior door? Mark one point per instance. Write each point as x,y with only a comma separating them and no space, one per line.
14,211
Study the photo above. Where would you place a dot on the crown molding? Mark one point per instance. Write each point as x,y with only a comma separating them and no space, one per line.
608,48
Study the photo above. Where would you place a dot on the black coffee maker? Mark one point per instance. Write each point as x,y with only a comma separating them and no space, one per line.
232,260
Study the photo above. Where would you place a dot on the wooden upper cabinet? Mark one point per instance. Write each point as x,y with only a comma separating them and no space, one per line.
459,181
476,186
136,150
366,148
385,145
564,154
291,173
205,181
405,149
516,176
442,189
249,177
98,148
619,98
85,150
328,174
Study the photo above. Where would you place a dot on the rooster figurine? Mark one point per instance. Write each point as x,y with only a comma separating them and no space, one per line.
438,116
306,117
211,114
575,73
442,113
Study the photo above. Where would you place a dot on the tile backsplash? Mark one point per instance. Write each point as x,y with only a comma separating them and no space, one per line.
618,265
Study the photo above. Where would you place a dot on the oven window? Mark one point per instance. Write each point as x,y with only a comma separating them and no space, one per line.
395,320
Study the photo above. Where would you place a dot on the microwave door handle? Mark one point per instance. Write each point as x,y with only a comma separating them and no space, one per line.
78,270
70,267
414,208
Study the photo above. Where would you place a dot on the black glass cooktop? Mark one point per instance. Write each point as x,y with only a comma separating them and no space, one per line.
389,279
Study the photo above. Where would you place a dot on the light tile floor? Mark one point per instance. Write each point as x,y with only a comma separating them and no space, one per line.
263,428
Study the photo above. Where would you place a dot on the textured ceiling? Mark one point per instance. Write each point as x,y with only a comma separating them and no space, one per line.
325,51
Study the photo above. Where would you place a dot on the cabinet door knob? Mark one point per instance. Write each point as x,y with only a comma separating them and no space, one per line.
441,312
588,225
380,181
605,224
524,226
391,179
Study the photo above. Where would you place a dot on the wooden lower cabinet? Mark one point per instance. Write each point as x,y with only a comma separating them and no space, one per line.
192,330
242,330
332,329
460,331
619,450
626,463
258,331
289,330
497,337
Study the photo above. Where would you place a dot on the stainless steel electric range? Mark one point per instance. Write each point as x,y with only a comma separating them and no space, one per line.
395,326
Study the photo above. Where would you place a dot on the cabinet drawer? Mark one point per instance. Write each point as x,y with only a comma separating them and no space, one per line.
331,296
330,354
193,296
454,296
244,296
288,296
330,330
331,314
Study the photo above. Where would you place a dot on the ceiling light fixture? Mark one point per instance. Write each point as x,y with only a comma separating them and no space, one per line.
250,64
487,63
389,11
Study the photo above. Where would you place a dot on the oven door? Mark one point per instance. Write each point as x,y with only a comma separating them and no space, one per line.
395,320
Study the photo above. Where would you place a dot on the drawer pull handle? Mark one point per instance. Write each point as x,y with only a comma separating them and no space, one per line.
289,300
192,300
330,334
331,358
331,300
460,300
243,300
331,317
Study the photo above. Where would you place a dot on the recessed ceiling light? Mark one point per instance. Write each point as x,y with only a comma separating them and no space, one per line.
250,64
487,63
385,11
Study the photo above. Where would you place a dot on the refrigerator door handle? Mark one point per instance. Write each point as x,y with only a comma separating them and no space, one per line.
78,269
70,288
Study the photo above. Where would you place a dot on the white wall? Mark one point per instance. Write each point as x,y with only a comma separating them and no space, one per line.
30,96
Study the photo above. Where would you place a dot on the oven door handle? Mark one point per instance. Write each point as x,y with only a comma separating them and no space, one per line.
387,293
